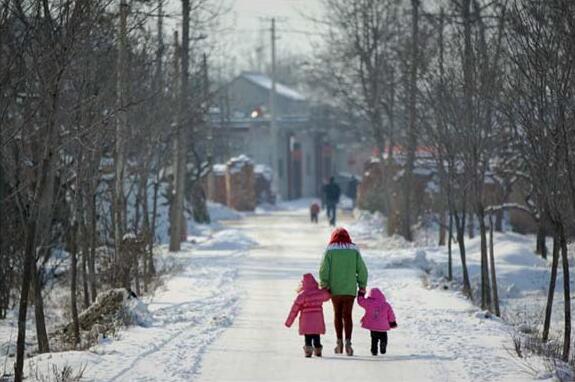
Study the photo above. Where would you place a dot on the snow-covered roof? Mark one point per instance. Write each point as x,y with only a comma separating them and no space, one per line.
236,164
219,169
265,82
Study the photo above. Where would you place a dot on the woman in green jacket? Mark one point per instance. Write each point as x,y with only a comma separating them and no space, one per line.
343,271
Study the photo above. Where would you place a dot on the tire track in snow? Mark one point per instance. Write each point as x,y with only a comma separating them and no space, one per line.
221,306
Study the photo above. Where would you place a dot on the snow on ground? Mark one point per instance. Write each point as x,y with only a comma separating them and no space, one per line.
191,308
522,277
188,312
228,239
221,318
441,335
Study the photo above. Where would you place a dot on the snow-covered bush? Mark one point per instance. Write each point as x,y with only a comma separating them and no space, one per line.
113,309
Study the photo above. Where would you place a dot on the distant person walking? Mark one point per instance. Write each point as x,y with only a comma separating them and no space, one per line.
352,190
332,193
314,212
342,272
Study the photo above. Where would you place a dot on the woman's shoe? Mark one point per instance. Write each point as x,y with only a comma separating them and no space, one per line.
348,348
308,351
317,351
339,347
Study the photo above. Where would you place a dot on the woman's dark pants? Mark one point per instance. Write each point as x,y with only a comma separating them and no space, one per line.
342,308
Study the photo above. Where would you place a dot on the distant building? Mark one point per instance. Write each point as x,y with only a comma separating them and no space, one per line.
241,124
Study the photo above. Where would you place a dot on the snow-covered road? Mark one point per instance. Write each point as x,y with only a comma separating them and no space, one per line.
441,337
220,318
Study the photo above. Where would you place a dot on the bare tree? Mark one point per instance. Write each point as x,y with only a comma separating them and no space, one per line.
541,79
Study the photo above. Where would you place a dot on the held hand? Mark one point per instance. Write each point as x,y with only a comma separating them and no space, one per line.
361,292
393,324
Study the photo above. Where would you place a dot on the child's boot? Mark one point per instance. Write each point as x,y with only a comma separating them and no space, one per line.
317,351
374,350
308,351
382,348
348,348
338,347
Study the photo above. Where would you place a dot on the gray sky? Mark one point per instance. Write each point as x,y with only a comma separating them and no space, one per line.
251,26
247,26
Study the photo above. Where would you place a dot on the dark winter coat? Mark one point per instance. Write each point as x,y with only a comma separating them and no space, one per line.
332,193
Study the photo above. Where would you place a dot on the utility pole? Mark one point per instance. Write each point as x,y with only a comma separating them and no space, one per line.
180,163
206,96
121,127
411,126
160,49
276,151
174,241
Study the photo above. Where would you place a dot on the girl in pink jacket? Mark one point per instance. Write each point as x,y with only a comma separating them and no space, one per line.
378,318
308,304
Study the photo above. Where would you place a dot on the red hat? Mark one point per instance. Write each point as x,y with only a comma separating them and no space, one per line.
340,236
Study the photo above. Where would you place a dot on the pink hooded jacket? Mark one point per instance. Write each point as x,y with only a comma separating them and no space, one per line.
378,312
308,304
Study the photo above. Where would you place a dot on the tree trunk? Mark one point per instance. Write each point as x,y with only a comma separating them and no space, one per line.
145,234
29,257
121,129
93,243
85,254
442,228
41,332
73,282
541,248
471,226
460,226
136,269
485,286
551,289
199,206
449,250
492,266
4,283
151,267
566,297
499,221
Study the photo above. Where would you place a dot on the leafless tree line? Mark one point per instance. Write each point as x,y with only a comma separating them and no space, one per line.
487,87
88,94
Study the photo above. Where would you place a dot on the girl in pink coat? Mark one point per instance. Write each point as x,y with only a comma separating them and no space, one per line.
378,318
308,304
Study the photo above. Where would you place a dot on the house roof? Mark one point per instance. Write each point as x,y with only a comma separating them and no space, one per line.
265,82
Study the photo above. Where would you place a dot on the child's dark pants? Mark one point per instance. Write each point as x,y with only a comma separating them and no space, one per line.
312,338
342,308
377,337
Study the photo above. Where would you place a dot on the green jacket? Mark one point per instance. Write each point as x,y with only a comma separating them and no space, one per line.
343,270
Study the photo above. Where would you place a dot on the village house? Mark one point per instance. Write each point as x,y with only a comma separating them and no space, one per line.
308,147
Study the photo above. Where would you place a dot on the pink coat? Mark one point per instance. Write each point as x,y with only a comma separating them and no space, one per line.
308,305
378,312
